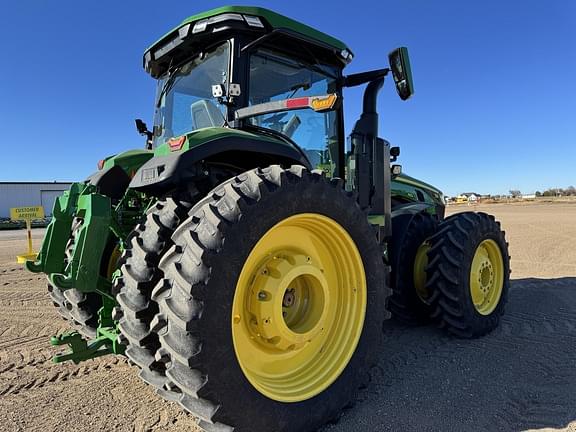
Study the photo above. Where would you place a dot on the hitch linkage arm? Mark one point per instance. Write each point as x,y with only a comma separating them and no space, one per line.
52,254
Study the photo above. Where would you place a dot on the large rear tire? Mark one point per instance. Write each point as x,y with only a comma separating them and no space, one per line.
271,307
469,274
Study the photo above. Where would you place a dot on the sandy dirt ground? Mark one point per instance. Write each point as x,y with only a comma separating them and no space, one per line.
521,377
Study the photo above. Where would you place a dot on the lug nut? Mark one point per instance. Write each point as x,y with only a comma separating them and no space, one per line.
289,298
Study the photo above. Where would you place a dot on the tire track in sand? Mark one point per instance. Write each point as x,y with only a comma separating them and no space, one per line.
521,376
46,373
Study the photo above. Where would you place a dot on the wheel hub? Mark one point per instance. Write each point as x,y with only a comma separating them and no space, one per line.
289,298
288,307
486,276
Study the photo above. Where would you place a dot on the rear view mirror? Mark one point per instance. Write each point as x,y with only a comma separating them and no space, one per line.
400,66
141,126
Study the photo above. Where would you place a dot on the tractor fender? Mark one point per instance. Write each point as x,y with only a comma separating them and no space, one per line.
111,182
402,216
166,171
400,223
114,174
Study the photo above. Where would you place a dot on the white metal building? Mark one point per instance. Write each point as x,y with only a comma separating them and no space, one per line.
22,194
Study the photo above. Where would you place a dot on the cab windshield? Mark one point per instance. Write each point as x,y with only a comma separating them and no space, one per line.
275,77
184,100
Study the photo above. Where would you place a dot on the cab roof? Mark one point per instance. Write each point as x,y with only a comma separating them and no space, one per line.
269,21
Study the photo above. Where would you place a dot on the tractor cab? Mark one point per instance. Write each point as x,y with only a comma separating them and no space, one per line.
251,69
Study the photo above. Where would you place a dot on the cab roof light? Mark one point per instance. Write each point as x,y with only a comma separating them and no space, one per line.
253,21
346,55
168,47
183,31
173,43
201,25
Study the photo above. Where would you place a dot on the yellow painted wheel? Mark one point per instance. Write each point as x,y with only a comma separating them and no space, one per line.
486,277
113,262
420,263
468,273
299,307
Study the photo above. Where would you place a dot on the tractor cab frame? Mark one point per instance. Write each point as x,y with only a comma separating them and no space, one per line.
253,70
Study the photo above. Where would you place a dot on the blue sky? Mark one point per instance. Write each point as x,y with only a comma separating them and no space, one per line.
494,109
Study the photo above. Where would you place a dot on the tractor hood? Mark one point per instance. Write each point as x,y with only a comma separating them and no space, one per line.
403,183
404,178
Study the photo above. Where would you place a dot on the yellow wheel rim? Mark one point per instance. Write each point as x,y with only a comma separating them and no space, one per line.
113,261
299,307
419,271
487,277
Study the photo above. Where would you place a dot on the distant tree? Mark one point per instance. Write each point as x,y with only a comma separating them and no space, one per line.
553,192
570,190
538,194
515,193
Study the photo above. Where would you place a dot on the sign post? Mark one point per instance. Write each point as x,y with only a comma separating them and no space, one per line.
27,214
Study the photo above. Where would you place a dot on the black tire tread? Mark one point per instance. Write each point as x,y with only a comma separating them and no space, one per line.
405,304
135,310
448,272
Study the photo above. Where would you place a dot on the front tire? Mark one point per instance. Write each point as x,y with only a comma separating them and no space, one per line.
469,274
220,277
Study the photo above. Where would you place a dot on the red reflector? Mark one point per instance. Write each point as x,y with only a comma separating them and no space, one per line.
297,102
101,163
176,143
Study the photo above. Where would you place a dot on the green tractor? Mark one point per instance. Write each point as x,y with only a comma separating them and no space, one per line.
246,259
